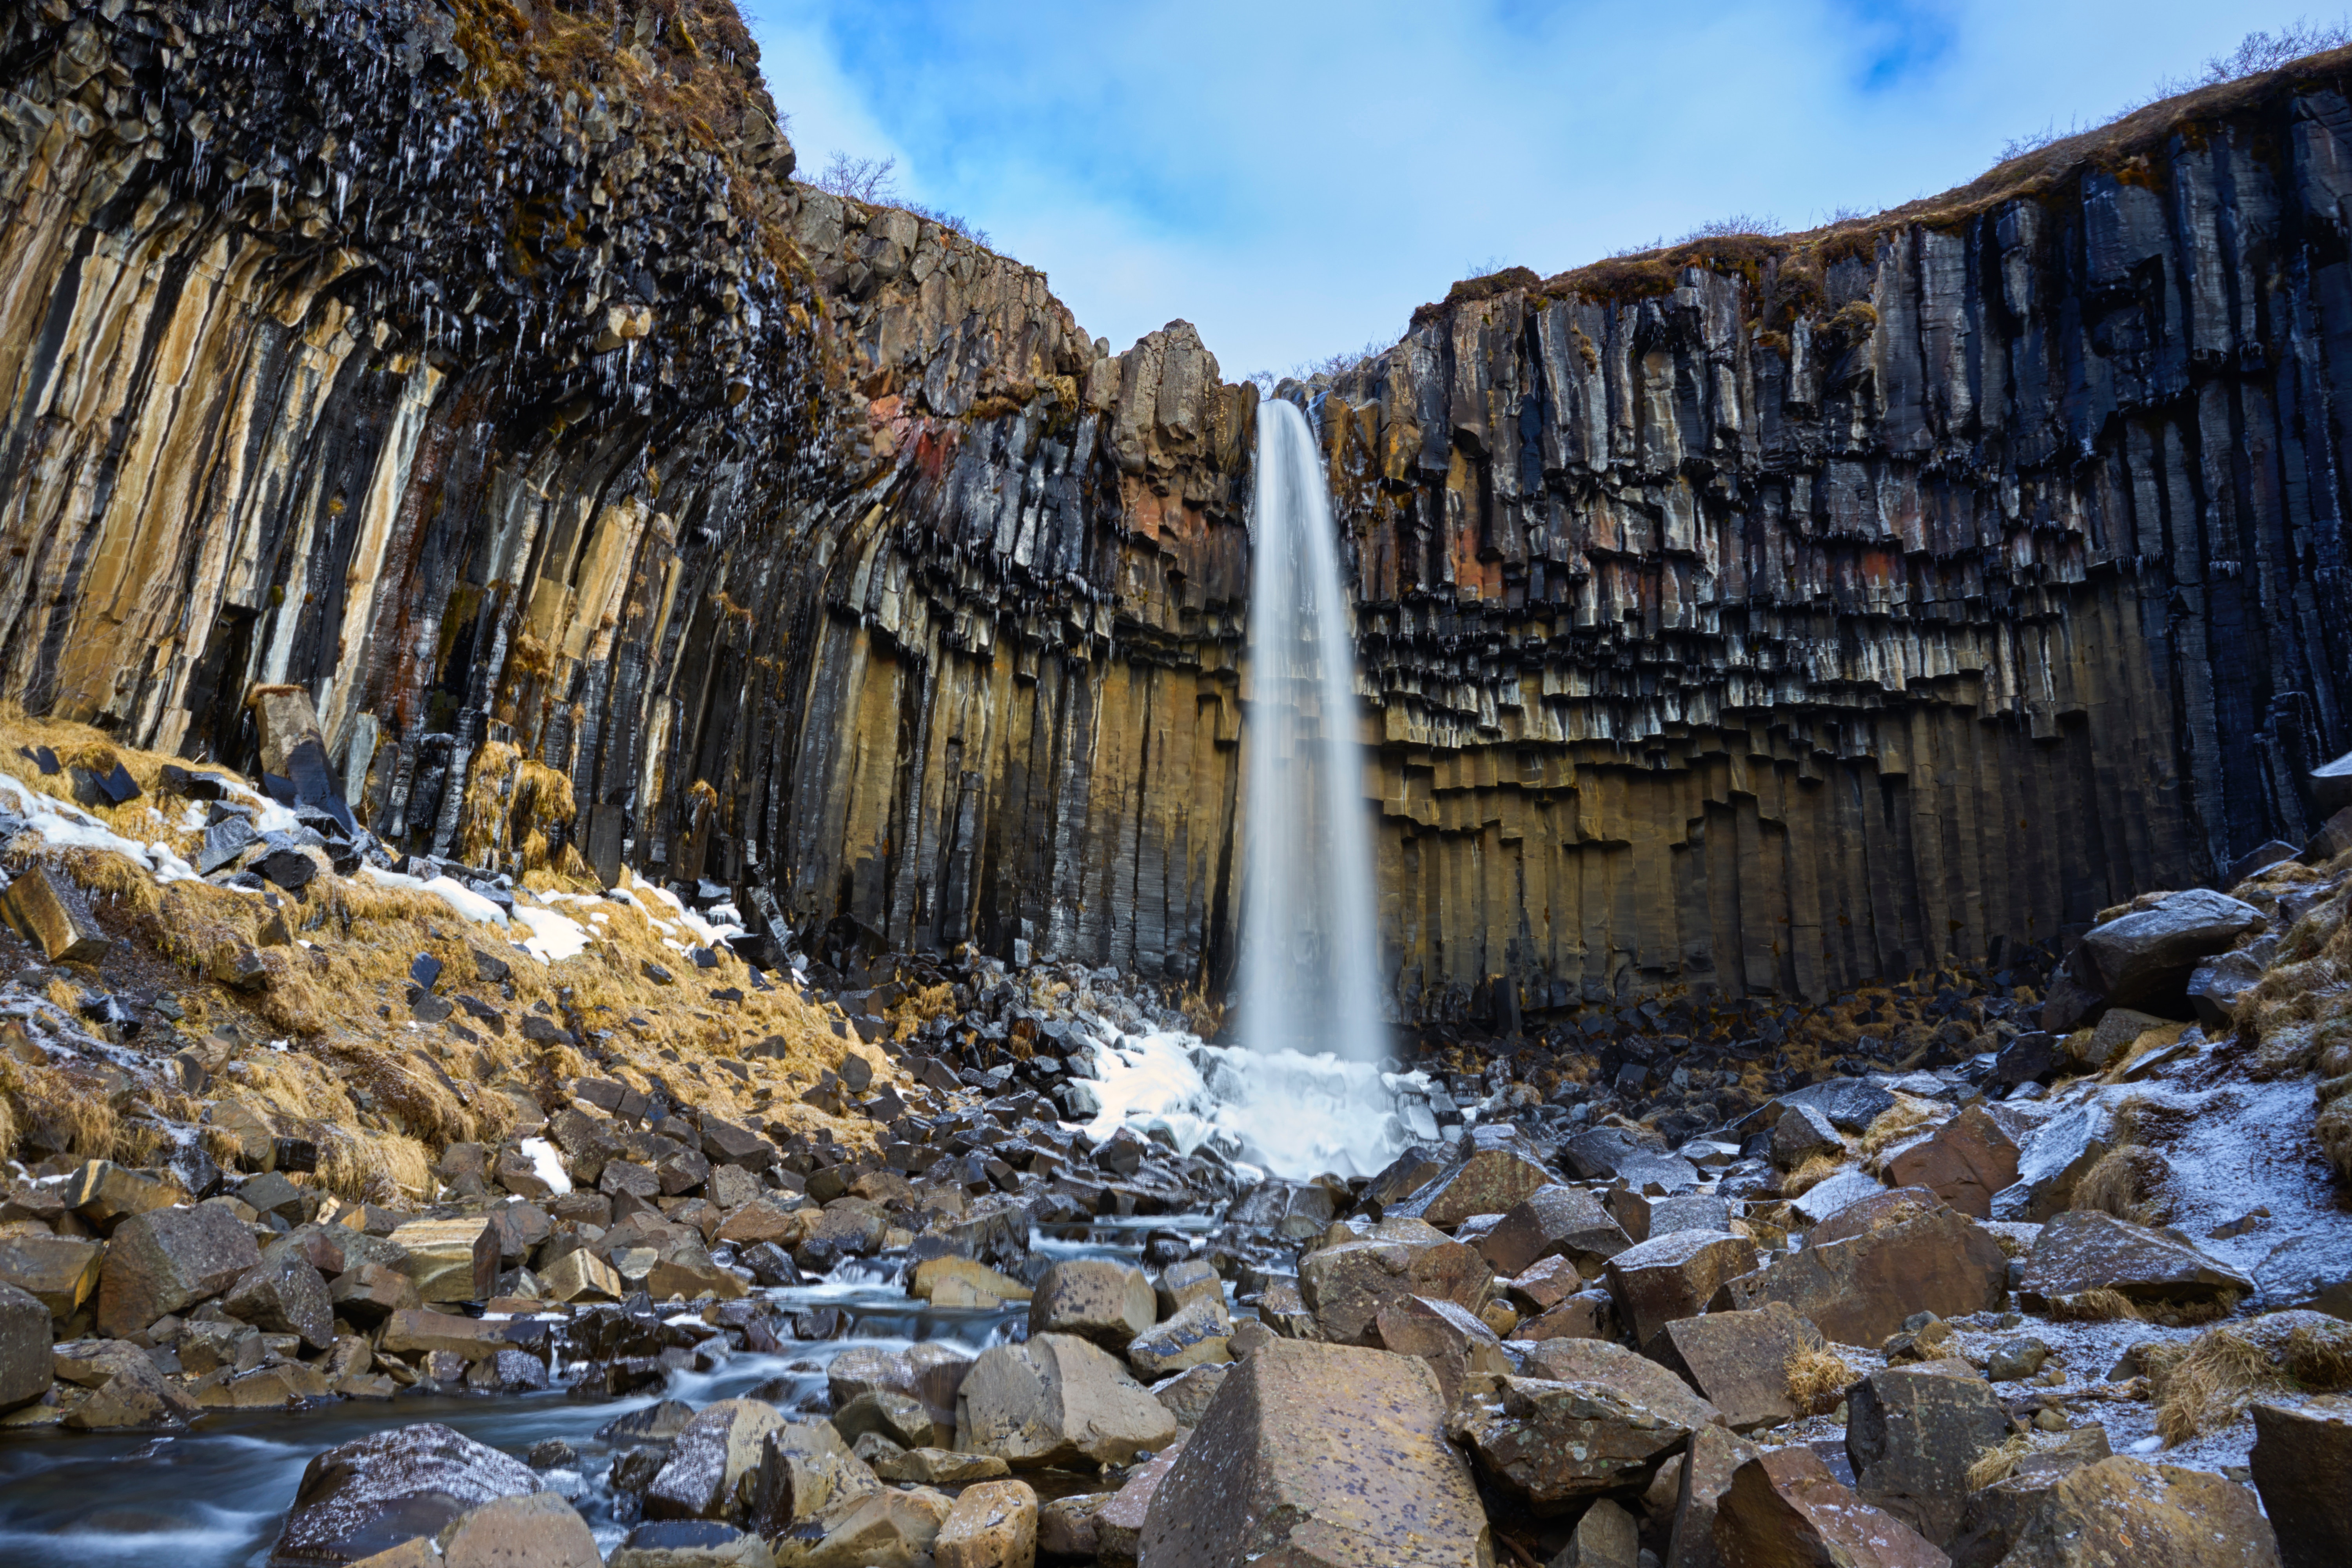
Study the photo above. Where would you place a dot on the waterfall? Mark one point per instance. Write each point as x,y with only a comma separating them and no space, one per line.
1309,966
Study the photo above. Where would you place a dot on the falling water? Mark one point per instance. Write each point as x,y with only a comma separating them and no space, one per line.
1309,970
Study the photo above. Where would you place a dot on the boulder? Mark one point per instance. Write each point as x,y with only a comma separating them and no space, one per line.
1589,1417
991,1525
127,1390
1194,1336
1673,1277
58,1271
2086,1249
1995,1516
940,1467
1454,1342
1345,1286
1841,1190
1119,1521
2302,1465
1713,1457
1848,1104
105,1194
1683,1211
1911,1434
882,1529
1545,1285
1605,1537
1319,1456
52,912
1858,1288
1800,1134
690,1544
1186,1395
539,1529
2144,959
1786,1507
2123,1512
26,1368
806,1469
962,1282
2055,1155
714,1462
1587,1315
901,1418
167,1260
284,1295
1965,1162
363,1497
449,1260
1181,1284
1554,1221
1054,1401
1095,1298
1492,1181
580,1276
1737,1361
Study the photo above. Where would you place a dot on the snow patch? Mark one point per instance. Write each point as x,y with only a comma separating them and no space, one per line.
547,1164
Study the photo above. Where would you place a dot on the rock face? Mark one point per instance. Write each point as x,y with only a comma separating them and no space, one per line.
1688,585
1319,1455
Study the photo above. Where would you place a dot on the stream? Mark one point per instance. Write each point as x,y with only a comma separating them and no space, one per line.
214,1497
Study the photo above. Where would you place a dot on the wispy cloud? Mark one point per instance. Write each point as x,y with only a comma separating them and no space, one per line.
1294,178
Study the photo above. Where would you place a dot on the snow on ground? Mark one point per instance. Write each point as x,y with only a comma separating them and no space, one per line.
63,825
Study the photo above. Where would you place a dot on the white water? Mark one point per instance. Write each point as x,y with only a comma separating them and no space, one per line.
1290,1115
1309,966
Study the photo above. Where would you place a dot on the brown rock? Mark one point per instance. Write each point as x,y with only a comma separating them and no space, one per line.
1065,1526
2123,1512
1857,1290
2302,1470
713,1462
1315,1455
1673,1277
1098,1299
1736,1360
887,1529
580,1276
1492,1181
376,1491
1606,1537
50,912
420,1330
1118,1522
1054,1401
1452,1341
991,1525
539,1529
26,1368
371,1292
284,1295
1912,1434
806,1469
1186,1395
1587,1315
104,1193
1554,1221
1604,1429
1964,1163
765,1219
2086,1249
1546,1285
1713,1457
1785,1509
169,1259
449,1260
58,1271
962,1282
1345,1286
1195,1336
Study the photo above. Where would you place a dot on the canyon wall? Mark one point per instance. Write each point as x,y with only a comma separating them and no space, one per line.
1761,615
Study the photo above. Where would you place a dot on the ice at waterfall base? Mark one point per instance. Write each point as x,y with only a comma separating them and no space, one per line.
1292,1116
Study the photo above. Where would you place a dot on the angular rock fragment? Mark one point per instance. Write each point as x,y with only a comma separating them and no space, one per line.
1345,1286
58,1271
1319,1455
1858,1289
2301,1464
1056,1400
169,1259
991,1525
714,1462
1673,1277
1965,1162
1553,1221
2145,959
1553,1442
372,1493
1194,1336
2086,1249
27,1369
1098,1299
51,913
449,1260
1912,1434
2126,1511
1737,1361
1785,1507
1713,1457
1492,1181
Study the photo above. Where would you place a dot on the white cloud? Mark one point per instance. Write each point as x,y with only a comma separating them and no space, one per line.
1295,178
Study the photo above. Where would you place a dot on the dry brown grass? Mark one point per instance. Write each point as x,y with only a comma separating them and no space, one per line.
2099,1306
1817,1381
2207,1384
72,1107
1897,1122
1810,1174
2129,1183
1996,1463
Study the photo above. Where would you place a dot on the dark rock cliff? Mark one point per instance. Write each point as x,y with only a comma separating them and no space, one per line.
1764,617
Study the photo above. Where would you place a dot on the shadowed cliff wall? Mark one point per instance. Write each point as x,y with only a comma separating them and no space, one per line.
1764,617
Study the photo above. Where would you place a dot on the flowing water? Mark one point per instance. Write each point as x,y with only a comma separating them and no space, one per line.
214,1497
1309,966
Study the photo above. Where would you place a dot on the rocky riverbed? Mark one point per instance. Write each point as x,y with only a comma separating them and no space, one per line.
594,1229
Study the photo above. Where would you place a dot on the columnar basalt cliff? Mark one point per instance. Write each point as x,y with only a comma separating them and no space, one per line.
1762,616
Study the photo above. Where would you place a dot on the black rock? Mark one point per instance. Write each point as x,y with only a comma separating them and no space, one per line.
490,969
280,790
288,869
425,969
704,958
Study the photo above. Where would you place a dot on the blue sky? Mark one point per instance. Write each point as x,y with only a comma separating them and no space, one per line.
1295,177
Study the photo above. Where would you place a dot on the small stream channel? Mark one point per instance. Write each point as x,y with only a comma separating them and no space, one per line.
214,1497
